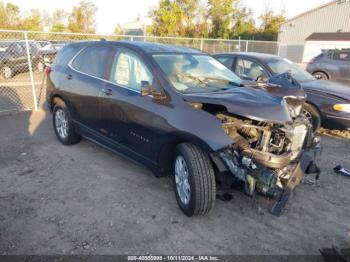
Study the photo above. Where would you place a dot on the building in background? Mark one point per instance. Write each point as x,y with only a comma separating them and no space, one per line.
317,42
329,18
137,27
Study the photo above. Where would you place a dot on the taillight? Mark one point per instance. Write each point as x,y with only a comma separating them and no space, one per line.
47,70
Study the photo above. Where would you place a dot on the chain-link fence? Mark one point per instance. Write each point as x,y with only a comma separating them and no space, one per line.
24,54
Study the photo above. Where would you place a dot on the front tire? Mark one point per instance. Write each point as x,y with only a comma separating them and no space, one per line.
194,180
320,76
313,115
63,125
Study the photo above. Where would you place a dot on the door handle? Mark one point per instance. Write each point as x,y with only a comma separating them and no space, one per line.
107,91
69,77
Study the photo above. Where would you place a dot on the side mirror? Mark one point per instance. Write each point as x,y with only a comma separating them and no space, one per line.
148,90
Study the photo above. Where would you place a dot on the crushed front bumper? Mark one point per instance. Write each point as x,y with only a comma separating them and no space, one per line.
306,165
263,179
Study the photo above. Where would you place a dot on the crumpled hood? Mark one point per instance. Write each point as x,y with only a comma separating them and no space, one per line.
248,102
329,87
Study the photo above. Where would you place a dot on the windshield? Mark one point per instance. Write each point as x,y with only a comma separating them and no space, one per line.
4,46
196,73
280,66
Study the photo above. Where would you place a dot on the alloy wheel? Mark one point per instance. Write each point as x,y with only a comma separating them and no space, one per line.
183,187
61,123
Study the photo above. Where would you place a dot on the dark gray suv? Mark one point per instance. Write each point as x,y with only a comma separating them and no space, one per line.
331,65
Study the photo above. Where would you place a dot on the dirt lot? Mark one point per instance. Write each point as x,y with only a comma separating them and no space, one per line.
84,199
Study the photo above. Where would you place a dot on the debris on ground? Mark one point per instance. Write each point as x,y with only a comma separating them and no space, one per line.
341,170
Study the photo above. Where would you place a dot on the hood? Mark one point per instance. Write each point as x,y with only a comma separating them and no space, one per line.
329,87
248,102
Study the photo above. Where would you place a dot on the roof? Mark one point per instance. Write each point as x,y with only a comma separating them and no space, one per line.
329,37
262,56
147,47
308,12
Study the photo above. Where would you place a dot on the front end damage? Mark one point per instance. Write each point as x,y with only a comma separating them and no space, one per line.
273,146
270,158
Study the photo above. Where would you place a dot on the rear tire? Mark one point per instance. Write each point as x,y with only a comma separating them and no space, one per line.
6,72
320,76
196,193
63,125
313,115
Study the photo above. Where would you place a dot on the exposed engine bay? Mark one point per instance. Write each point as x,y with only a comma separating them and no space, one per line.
272,146
265,155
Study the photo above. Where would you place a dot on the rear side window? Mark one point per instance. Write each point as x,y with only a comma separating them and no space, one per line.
342,56
66,54
93,61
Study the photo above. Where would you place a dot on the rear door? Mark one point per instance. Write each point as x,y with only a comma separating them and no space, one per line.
84,79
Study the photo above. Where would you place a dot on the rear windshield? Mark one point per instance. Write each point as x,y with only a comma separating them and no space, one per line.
65,55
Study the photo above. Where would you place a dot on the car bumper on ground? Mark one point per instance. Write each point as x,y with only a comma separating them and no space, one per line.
269,181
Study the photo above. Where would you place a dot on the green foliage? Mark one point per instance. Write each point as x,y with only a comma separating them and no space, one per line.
58,28
220,14
244,23
82,18
9,16
31,22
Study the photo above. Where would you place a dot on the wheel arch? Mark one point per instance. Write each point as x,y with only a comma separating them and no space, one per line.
56,99
322,71
165,154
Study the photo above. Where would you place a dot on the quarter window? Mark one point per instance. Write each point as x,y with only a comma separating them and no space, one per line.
93,61
227,61
129,71
249,70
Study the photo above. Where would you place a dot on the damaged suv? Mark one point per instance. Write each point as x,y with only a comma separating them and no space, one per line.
179,111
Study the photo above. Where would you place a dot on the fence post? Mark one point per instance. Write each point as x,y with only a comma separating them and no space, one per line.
30,71
246,46
201,47
278,48
239,43
132,38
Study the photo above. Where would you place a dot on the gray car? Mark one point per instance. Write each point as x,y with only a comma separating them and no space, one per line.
331,65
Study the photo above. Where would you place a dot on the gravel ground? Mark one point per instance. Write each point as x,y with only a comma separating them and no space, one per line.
84,199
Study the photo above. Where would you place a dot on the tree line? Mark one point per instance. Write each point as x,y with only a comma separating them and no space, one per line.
183,18
213,19
80,19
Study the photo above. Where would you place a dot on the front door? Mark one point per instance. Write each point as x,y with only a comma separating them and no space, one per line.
126,116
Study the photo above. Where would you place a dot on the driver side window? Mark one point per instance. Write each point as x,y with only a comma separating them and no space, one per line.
249,70
129,71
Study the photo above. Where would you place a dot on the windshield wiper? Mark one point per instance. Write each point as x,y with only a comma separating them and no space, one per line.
221,80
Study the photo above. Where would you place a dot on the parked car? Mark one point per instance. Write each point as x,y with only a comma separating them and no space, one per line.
46,51
14,59
328,103
332,65
45,46
179,111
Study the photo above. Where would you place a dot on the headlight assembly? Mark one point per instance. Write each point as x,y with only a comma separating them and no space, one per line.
342,108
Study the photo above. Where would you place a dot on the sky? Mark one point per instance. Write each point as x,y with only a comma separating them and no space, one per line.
113,12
